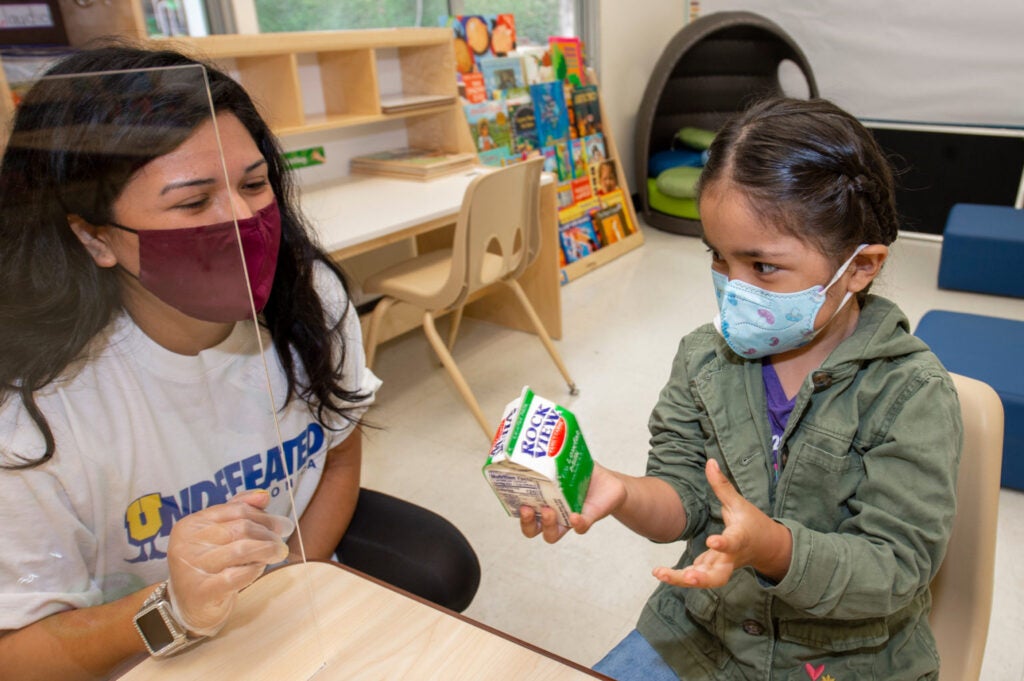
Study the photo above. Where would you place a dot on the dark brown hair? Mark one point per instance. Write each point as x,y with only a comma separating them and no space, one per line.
75,143
812,169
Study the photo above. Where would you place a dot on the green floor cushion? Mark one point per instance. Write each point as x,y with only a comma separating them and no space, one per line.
679,182
695,138
663,203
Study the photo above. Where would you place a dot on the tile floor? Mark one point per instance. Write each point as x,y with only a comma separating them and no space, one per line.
622,323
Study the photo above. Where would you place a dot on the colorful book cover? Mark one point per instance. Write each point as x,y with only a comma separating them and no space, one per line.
488,124
564,194
479,35
596,150
617,198
557,159
610,224
501,74
578,238
498,158
578,152
523,121
474,89
606,179
581,189
587,109
550,110
567,60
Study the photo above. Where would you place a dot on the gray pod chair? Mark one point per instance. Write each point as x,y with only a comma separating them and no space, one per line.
714,67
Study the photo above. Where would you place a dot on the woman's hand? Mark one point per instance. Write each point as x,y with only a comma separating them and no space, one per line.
216,552
750,538
605,494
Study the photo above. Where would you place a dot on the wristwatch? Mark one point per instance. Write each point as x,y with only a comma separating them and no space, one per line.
159,628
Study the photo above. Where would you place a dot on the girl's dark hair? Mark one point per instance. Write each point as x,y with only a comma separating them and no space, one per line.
75,143
811,169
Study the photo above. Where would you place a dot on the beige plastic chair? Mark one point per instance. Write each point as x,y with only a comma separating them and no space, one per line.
497,236
962,590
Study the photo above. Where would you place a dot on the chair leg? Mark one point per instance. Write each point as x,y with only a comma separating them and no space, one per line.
538,325
376,317
453,330
460,383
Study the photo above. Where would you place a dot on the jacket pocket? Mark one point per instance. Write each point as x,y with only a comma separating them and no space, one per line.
833,636
822,478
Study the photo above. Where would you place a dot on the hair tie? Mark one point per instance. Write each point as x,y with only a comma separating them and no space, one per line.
860,184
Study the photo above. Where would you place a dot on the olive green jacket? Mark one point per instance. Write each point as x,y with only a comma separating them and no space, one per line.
868,492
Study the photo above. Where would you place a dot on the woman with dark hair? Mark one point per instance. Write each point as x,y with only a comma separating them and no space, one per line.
157,283
806,445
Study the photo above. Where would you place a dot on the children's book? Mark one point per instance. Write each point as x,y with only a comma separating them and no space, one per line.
488,124
549,107
564,194
576,230
415,163
596,151
617,198
567,59
578,152
605,177
473,88
501,74
582,189
587,109
557,159
523,120
479,35
610,224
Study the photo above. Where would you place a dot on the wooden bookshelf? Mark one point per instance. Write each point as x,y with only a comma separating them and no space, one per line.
267,65
604,255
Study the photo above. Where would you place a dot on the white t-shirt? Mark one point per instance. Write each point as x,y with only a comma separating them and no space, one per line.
143,437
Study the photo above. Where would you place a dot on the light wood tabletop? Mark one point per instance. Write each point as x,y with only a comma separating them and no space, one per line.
360,628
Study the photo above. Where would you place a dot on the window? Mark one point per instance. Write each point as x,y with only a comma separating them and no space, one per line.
535,19
318,15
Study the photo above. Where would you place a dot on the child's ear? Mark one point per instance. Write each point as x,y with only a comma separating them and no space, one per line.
866,266
97,246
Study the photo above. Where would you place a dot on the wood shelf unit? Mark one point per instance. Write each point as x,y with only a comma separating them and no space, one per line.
602,256
350,78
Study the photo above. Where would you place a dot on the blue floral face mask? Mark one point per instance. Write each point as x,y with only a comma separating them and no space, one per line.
757,323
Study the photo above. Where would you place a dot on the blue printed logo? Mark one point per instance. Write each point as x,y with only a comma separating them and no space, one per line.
151,517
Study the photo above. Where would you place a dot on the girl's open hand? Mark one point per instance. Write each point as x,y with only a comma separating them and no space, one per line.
750,538
605,494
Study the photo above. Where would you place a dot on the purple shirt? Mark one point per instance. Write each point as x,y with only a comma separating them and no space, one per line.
779,408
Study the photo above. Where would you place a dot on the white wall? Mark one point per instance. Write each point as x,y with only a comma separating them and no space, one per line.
633,34
943,61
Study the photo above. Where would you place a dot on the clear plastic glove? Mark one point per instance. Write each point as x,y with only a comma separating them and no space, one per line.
216,552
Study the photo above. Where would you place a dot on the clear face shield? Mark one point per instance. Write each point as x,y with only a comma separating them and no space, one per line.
144,235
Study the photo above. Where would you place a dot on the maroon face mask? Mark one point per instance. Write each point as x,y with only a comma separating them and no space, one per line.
198,271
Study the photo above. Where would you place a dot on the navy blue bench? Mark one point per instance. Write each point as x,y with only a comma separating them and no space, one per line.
983,250
988,349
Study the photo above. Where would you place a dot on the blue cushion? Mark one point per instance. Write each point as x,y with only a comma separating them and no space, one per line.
673,158
982,250
986,348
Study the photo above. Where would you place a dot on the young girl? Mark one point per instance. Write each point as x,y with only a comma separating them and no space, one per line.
140,464
806,445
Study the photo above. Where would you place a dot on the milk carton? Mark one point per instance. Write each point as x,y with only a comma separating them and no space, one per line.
539,458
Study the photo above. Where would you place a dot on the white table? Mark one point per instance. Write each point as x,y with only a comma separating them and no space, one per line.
363,213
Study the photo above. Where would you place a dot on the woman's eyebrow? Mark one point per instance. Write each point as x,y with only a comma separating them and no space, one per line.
198,182
201,182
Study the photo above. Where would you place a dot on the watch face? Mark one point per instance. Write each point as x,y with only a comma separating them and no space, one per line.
154,630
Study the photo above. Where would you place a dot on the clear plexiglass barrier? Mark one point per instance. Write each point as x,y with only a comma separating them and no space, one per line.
149,428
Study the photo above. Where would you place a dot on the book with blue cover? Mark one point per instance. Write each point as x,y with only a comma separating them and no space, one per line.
501,74
550,110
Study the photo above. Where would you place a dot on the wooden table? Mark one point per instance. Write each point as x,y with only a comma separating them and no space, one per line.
363,213
360,628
